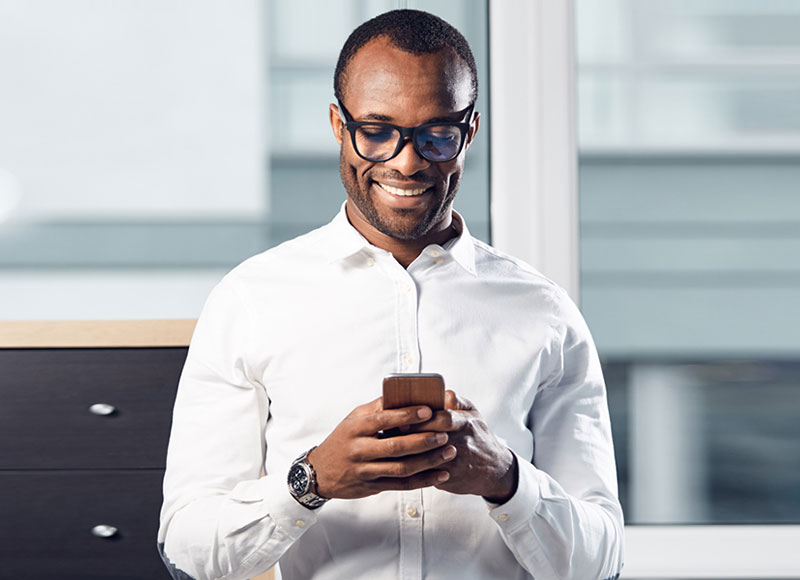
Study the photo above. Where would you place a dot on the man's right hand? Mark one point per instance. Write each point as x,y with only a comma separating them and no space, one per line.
353,462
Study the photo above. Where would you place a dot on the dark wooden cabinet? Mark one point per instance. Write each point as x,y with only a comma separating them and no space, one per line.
48,523
66,468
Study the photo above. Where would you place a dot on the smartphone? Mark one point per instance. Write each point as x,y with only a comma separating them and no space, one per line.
404,390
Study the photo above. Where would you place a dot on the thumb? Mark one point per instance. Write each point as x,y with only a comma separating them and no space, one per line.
455,403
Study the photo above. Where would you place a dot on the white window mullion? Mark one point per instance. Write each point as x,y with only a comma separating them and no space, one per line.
533,145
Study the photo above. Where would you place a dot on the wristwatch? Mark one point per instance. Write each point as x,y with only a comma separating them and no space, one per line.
303,482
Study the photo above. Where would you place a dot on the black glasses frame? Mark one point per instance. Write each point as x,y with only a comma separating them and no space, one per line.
406,133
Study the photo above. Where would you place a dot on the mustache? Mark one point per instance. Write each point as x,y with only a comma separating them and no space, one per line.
418,180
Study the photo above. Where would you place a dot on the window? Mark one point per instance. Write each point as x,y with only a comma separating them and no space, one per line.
687,232
134,175
689,135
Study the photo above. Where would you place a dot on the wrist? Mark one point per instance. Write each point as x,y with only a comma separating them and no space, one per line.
302,482
312,458
507,483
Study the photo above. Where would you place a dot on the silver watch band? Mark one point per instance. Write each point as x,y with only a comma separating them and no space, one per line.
310,499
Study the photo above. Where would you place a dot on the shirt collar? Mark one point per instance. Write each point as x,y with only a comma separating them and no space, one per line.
346,241
462,247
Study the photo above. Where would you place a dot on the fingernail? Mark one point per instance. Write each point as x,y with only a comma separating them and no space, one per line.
443,476
424,413
441,438
449,452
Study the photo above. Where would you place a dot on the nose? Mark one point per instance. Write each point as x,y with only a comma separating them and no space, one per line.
407,161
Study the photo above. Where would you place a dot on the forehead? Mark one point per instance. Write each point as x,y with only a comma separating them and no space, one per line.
383,79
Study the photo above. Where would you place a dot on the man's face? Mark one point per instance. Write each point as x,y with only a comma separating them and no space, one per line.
405,197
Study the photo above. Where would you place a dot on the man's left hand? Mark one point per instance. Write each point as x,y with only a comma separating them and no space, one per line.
483,465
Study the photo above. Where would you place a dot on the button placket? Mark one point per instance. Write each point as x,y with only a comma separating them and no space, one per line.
409,507
408,339
411,520
436,256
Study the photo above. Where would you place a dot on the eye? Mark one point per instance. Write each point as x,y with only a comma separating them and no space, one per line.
377,133
442,134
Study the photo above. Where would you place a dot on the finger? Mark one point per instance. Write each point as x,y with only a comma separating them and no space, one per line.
370,449
407,466
391,418
424,479
456,403
443,421
373,406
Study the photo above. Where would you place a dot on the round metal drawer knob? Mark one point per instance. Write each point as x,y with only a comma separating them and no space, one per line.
102,409
104,531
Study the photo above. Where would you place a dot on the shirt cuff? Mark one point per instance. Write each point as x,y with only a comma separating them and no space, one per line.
519,510
289,516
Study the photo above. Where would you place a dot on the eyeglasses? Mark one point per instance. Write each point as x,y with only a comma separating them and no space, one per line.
437,142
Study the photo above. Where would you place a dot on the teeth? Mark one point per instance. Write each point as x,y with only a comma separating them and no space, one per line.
403,192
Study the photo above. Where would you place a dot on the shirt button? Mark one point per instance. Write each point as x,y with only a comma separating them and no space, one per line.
299,523
370,261
411,511
438,261
435,253
408,287
502,517
408,358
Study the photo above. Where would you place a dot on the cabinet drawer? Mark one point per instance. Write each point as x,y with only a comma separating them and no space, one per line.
45,421
48,517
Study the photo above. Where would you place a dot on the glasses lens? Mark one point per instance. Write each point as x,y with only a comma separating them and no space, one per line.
376,142
438,142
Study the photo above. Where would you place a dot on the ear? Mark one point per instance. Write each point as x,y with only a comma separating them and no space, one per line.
473,129
336,122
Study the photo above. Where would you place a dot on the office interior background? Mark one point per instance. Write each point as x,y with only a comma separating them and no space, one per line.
148,147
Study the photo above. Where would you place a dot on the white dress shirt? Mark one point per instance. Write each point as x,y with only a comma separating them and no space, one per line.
295,338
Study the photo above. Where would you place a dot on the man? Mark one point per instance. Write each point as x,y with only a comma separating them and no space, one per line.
514,479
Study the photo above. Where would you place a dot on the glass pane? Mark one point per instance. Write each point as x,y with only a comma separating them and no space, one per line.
689,135
131,172
133,176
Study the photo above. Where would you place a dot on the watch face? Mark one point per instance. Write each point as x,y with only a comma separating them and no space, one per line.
298,480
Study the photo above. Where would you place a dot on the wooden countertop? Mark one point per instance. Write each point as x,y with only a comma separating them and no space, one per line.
95,333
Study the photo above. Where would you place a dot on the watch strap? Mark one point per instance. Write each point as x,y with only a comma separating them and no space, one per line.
310,499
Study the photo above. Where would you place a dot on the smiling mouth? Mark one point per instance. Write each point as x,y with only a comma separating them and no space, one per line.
403,192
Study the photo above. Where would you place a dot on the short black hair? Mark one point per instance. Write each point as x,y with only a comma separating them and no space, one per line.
413,31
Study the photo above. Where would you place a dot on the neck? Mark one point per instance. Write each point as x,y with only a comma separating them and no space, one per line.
404,251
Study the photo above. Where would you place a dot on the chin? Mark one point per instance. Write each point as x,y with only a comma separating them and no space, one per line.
407,231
